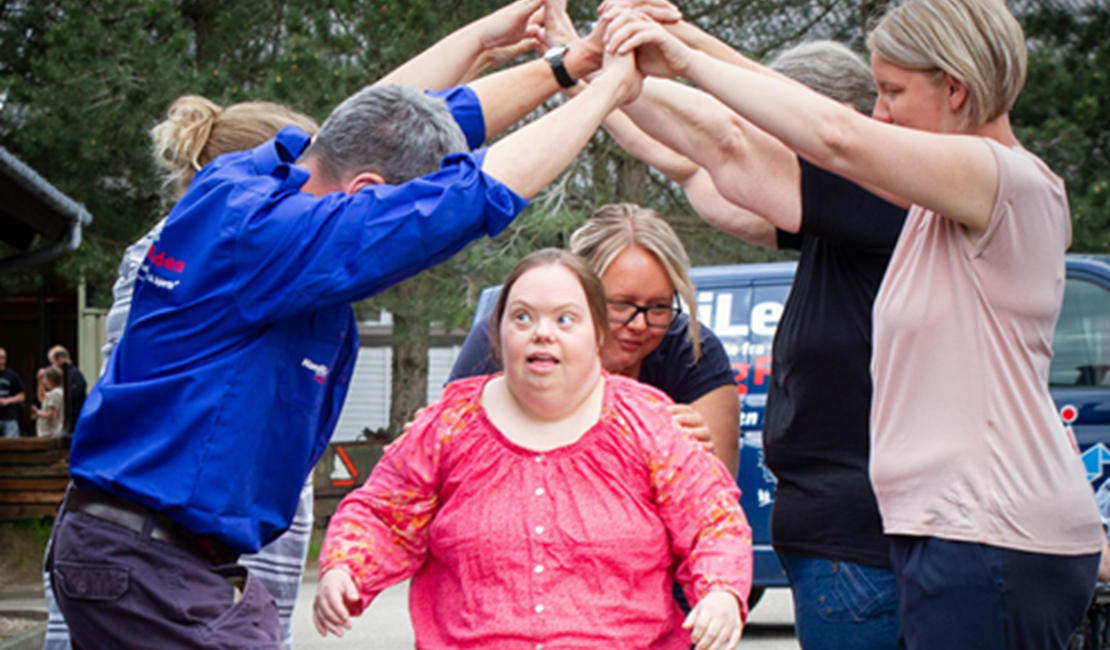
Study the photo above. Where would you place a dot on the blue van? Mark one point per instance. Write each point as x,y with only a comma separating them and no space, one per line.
743,303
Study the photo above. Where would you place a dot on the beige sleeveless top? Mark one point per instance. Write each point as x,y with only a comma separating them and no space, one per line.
966,442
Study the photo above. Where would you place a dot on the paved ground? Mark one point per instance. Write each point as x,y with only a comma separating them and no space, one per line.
385,626
22,618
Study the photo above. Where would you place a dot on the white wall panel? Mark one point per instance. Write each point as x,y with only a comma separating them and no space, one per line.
368,400
440,361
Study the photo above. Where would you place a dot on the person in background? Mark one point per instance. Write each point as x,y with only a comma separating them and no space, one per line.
11,396
50,417
248,293
75,389
587,491
995,539
645,270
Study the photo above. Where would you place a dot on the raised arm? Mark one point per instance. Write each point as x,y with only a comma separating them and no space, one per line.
695,182
648,150
460,53
726,216
509,95
668,15
528,159
749,168
955,175
698,184
495,57
40,386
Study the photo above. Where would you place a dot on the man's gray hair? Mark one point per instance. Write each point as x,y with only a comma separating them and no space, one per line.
831,69
391,130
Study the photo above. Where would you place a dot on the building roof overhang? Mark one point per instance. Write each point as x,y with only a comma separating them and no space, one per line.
32,211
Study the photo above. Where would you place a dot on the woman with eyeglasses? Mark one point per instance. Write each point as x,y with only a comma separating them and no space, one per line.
644,269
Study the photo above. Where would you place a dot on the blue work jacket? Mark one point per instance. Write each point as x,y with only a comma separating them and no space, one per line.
227,385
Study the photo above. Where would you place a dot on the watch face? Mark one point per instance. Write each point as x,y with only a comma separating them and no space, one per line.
554,57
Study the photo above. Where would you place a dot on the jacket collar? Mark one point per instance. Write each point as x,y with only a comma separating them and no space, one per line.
276,157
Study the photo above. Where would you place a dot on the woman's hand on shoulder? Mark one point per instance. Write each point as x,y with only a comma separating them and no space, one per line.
715,623
334,594
692,424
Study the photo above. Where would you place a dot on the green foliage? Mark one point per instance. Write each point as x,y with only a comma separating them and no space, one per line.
24,543
78,101
1064,113
82,82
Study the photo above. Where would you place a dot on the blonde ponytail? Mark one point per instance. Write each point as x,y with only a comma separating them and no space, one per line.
180,139
196,131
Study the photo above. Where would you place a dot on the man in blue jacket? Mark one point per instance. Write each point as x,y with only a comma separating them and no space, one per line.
240,344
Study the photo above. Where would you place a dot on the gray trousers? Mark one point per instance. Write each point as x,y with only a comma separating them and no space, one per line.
278,567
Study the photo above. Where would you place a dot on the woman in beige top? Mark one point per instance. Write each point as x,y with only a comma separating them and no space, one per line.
995,535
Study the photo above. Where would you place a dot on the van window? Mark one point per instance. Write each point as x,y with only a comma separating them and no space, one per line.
1081,344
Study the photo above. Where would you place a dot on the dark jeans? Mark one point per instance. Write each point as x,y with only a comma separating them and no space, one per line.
120,589
961,595
840,605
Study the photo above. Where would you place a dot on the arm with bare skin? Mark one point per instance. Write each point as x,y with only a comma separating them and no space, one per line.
951,174
464,51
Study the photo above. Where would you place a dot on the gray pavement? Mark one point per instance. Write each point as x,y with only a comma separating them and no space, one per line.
29,599
386,626
22,618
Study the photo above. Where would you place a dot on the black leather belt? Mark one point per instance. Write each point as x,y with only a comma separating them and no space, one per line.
133,516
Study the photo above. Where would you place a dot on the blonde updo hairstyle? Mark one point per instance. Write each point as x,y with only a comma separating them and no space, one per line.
196,131
978,42
613,228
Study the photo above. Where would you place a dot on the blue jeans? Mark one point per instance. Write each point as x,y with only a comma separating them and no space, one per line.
969,596
841,605
9,428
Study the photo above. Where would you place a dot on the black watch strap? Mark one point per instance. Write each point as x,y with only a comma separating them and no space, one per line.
554,57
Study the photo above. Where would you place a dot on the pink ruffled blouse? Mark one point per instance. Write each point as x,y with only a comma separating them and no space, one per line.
575,547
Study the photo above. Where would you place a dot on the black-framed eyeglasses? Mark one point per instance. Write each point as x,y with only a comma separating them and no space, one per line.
623,313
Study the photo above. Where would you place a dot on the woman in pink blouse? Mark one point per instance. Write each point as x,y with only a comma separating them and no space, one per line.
547,507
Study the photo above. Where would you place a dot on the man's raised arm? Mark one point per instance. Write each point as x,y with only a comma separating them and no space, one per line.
528,159
509,95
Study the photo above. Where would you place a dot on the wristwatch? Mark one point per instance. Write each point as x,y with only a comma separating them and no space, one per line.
554,56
